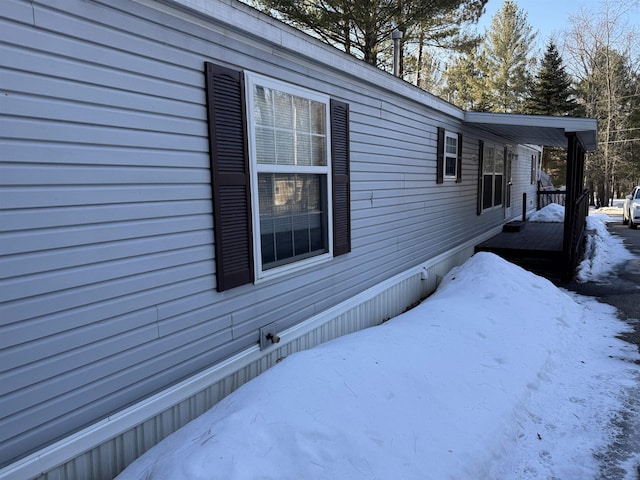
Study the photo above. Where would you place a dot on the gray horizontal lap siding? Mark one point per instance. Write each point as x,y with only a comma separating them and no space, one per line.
107,268
522,182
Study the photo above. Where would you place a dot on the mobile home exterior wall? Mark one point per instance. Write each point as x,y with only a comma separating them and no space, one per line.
108,290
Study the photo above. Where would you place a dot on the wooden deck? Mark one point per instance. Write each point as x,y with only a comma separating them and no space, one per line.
536,247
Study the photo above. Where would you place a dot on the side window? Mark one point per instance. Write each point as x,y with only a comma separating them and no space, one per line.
280,175
498,176
533,168
492,176
449,156
290,170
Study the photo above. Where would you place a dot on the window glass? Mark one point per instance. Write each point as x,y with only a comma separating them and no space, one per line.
318,118
487,191
283,110
263,111
265,144
451,145
499,162
488,159
497,192
290,166
292,217
450,166
289,129
285,148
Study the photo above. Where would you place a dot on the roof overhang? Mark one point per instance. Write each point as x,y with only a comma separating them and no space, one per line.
536,129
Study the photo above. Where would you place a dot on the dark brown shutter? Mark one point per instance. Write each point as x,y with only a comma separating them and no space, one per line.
340,174
440,157
229,176
459,160
480,177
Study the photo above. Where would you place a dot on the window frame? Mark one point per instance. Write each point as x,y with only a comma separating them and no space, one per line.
441,156
253,79
454,156
494,173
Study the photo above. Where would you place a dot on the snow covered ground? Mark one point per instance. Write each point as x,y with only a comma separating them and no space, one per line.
498,375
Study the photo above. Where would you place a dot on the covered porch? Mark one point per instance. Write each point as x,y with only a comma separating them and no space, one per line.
546,248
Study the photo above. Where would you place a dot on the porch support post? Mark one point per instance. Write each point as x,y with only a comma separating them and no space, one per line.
575,182
570,196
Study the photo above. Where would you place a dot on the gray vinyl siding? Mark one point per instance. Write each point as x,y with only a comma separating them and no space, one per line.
522,181
107,271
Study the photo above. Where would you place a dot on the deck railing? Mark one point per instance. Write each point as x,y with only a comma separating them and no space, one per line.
546,197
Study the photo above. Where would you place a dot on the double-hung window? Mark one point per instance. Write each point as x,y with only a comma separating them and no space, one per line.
450,155
492,176
280,175
289,149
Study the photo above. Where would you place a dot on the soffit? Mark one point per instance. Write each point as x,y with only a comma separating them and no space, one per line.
536,129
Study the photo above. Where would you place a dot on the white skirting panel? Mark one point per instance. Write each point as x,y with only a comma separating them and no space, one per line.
104,449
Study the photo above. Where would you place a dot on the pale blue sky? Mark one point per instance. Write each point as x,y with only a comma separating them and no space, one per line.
551,17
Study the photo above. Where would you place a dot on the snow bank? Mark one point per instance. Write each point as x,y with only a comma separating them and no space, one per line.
602,251
551,213
469,384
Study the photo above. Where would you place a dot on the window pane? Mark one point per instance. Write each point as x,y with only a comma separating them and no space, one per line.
319,151
302,114
289,130
283,110
263,106
451,145
499,165
285,154
303,149
450,166
265,145
487,191
293,217
267,240
318,118
497,198
488,159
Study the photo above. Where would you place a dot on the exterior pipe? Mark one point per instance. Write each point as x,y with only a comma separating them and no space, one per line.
396,35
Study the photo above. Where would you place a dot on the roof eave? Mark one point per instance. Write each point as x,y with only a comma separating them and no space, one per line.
534,129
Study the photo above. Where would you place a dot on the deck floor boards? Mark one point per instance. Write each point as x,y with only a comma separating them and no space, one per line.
538,247
534,237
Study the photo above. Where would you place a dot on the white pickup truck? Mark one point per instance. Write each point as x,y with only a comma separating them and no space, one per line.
631,209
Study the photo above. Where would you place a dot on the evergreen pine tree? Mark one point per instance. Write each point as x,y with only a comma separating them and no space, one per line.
496,77
551,92
505,59
363,27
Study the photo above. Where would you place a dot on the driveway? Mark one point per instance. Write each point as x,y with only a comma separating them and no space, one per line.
621,460
622,290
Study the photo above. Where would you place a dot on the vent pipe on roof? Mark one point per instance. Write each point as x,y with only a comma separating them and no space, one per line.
396,35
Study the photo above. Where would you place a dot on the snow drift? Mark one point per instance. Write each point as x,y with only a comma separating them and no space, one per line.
450,389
